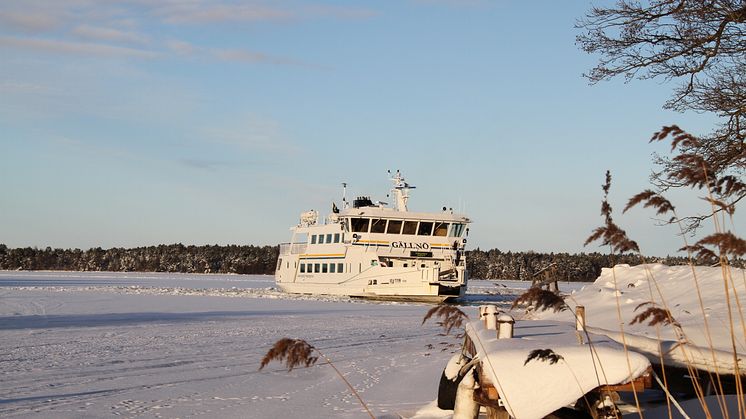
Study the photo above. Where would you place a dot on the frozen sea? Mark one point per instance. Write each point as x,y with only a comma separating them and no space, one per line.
80,345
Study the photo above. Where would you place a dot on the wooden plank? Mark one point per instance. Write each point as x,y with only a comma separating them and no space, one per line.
640,384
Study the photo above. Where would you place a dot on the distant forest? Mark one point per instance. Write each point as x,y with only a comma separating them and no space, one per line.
489,264
162,258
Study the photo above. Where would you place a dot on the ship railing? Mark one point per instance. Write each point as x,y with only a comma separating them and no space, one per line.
293,248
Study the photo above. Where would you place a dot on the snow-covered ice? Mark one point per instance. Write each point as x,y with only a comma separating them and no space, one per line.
76,345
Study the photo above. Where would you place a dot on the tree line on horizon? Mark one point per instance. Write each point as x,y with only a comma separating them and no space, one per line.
162,258
261,260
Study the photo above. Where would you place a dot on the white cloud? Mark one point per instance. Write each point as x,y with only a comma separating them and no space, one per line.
455,3
68,47
202,164
238,55
181,47
109,34
22,87
135,28
200,12
254,134
251,57
29,22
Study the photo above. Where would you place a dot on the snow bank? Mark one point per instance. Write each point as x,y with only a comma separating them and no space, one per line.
678,287
536,388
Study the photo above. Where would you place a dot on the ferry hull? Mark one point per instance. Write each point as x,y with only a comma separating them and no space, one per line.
428,293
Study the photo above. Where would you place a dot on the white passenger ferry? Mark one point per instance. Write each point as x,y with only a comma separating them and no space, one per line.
369,250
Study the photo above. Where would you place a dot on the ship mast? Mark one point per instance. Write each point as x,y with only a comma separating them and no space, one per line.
400,191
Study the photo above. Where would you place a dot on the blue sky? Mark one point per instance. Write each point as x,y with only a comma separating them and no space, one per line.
130,123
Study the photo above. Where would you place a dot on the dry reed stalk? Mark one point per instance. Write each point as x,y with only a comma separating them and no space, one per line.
612,235
541,300
727,243
708,333
624,339
297,352
656,315
681,336
692,170
544,355
651,278
451,317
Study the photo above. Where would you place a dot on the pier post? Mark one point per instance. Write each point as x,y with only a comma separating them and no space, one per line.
505,326
490,317
580,322
580,318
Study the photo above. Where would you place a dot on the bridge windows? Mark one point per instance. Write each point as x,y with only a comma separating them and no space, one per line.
457,230
378,226
425,228
394,227
359,225
441,229
410,227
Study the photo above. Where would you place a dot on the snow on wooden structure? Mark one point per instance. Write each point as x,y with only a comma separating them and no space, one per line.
535,388
705,322
679,354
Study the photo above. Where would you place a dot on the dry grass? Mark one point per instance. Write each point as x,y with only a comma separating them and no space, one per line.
650,199
689,169
451,317
541,300
726,243
610,233
295,352
656,315
544,355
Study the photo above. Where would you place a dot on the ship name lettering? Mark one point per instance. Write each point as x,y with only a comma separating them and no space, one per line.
410,245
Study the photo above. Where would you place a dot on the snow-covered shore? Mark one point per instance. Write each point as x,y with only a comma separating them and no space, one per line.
636,285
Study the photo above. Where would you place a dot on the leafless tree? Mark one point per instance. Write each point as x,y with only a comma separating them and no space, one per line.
701,45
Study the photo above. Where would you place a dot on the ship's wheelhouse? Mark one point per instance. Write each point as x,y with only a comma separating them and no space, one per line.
396,226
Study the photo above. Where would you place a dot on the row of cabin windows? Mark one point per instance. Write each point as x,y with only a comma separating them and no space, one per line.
322,268
419,228
326,238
